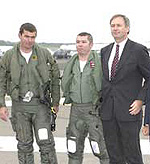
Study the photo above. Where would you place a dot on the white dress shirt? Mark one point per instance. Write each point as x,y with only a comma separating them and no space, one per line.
112,55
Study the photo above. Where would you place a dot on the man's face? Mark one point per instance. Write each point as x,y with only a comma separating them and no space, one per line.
83,45
27,39
118,29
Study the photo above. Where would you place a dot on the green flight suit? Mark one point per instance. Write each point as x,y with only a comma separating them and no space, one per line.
16,79
82,90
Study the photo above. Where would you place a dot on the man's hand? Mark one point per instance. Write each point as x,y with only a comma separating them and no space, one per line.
135,107
4,113
56,108
145,130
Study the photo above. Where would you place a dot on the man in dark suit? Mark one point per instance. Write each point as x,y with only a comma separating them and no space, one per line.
123,93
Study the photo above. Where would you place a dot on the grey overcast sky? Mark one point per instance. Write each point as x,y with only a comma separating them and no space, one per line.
60,21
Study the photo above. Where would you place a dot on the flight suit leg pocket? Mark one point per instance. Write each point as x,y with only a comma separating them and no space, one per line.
13,123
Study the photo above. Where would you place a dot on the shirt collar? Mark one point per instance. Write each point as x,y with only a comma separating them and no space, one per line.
122,44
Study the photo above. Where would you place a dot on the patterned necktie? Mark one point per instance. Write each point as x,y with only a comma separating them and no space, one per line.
115,62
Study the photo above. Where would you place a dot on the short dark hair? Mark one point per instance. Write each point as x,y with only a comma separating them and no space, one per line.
28,27
126,19
90,38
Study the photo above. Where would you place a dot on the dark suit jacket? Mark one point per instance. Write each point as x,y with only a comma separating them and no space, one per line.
119,94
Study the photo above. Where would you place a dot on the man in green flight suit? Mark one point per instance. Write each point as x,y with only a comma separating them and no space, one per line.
25,71
81,84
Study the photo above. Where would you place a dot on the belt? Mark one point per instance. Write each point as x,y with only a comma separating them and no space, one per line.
34,101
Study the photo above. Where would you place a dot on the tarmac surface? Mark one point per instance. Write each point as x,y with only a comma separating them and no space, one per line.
10,157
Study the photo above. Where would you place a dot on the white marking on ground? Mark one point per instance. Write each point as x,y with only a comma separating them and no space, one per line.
9,143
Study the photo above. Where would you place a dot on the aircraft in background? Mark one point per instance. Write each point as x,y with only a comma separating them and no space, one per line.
72,48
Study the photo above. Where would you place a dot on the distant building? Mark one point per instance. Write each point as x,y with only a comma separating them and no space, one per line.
3,49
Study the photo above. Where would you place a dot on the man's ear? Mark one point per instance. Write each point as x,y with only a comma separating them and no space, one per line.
91,45
19,35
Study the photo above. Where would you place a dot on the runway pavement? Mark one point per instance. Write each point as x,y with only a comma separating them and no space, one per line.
8,150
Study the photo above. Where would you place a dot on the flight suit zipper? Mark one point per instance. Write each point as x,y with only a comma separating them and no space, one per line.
81,86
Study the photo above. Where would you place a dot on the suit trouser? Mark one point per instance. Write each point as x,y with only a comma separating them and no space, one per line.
122,141
83,122
23,124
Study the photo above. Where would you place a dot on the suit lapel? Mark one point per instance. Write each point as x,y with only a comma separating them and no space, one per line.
125,55
106,59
